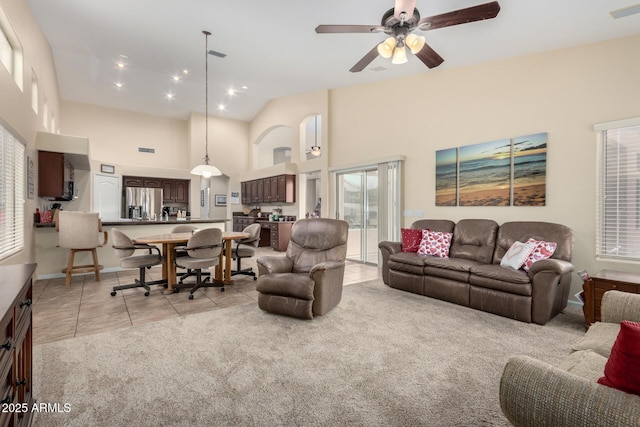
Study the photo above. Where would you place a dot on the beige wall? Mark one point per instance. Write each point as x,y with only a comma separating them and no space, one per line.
563,92
15,104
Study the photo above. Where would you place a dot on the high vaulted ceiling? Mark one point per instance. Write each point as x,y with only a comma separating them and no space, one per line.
272,47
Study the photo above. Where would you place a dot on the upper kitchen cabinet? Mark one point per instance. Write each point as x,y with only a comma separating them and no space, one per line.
55,176
58,157
274,189
175,191
139,181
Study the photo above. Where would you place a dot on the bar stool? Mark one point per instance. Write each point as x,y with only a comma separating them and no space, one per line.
80,232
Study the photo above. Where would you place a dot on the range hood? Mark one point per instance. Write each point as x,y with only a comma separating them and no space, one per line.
75,148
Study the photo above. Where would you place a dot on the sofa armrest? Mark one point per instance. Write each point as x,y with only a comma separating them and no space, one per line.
617,306
274,264
534,393
327,265
556,265
386,250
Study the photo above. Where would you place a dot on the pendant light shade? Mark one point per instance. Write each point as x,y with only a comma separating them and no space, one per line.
415,43
315,148
399,55
385,49
206,170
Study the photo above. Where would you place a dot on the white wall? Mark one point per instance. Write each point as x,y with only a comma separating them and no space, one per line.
564,93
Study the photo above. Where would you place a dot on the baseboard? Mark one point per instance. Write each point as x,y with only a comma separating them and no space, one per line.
59,275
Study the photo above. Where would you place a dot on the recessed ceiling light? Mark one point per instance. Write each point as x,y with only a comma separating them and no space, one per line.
121,65
221,107
170,96
245,87
231,92
176,78
185,71
119,85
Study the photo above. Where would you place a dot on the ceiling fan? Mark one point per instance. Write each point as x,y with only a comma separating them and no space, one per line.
400,22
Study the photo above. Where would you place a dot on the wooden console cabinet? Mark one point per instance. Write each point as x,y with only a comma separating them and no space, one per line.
601,282
16,344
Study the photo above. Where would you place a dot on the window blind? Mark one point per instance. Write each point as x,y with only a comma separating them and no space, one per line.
618,233
12,189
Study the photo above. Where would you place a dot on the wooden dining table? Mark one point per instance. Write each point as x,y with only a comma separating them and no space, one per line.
170,240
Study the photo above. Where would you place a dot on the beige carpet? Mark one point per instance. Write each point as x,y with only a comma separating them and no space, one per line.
383,357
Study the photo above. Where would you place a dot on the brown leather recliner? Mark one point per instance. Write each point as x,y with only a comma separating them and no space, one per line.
307,281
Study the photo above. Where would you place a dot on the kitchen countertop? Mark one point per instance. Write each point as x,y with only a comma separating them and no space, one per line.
126,221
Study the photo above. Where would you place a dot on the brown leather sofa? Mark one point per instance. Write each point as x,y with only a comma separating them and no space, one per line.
472,275
307,282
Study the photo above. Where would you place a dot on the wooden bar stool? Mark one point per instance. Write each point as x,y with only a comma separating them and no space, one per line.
80,232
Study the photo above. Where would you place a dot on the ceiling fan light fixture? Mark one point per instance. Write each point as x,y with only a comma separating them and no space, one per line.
399,55
415,43
385,49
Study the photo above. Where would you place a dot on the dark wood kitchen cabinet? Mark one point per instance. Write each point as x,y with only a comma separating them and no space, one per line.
280,235
175,191
274,189
54,176
16,366
139,181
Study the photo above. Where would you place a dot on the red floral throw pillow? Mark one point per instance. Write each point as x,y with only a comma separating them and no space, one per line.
622,370
411,238
542,250
435,243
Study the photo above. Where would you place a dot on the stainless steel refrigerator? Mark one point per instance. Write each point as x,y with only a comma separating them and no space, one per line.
143,203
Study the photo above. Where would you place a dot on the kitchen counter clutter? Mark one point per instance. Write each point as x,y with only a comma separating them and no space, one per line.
126,222
52,259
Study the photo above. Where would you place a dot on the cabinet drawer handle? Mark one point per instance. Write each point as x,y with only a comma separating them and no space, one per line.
21,383
26,302
7,345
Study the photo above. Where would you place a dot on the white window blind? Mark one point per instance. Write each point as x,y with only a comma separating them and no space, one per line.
618,234
12,179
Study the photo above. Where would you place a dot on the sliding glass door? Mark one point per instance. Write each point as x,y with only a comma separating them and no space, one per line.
358,205
369,198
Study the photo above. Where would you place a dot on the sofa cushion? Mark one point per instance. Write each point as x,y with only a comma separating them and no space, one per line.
474,239
599,338
509,232
517,254
435,243
501,279
622,370
411,239
542,250
584,363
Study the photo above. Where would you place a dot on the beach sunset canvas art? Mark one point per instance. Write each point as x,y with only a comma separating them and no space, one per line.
485,174
530,170
446,177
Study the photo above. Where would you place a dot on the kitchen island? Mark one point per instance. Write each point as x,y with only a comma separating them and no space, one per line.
51,259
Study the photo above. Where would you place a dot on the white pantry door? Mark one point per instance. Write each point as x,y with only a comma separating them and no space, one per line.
107,196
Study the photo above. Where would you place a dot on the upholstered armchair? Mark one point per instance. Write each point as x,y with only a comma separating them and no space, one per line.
307,282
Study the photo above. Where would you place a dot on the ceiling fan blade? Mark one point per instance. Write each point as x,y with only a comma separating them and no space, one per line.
461,16
404,6
429,57
366,60
323,29
215,53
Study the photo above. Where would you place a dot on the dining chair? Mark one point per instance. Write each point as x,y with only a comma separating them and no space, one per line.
80,232
203,251
125,248
181,251
244,248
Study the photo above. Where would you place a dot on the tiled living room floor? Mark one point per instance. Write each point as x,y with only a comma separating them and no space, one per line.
87,307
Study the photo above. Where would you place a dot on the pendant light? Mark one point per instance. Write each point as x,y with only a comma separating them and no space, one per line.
315,148
206,170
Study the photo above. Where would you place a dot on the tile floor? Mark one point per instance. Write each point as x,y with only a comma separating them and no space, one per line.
87,307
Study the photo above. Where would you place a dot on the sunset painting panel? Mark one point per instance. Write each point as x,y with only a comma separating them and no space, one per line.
530,170
446,177
485,174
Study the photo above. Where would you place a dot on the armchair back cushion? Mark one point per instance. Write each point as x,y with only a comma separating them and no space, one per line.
317,240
